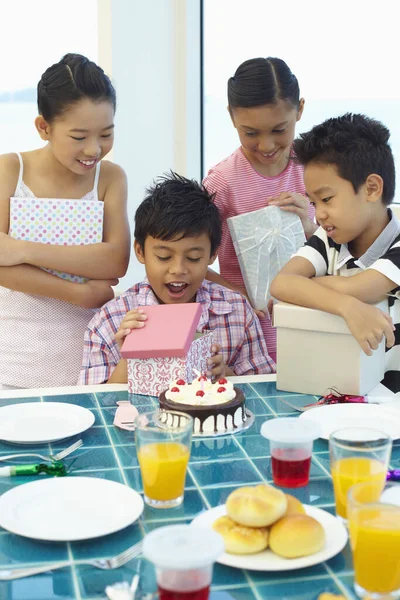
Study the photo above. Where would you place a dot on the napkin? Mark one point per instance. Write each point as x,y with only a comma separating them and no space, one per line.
125,415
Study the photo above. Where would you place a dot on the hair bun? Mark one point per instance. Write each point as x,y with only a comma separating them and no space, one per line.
73,60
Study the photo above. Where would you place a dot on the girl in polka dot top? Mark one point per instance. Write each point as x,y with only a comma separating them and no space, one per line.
64,234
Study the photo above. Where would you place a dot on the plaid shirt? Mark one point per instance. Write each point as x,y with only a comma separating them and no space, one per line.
226,313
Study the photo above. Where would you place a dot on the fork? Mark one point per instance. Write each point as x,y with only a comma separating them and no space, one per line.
54,457
102,563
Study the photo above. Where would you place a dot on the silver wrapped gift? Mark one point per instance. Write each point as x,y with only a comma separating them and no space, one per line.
264,241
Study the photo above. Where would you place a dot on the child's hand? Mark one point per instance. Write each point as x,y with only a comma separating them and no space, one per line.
10,251
134,319
97,292
368,324
216,364
290,202
297,204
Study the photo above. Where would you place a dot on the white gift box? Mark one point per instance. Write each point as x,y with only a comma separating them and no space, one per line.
317,352
264,241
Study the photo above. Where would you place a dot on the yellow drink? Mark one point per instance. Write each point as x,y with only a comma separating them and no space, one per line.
348,471
163,466
375,540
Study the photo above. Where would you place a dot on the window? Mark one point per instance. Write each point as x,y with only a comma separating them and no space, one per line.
36,34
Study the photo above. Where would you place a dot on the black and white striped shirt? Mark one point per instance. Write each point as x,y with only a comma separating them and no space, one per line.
329,258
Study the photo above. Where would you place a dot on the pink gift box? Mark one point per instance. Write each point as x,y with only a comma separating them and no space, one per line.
166,348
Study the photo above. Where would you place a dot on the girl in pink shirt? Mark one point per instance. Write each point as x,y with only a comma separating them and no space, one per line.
264,104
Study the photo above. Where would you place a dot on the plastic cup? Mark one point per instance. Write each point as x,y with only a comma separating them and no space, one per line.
183,557
291,444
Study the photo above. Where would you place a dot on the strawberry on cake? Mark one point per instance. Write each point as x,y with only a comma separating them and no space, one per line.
217,407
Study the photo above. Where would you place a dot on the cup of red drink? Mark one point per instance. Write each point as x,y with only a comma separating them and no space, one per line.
183,557
291,443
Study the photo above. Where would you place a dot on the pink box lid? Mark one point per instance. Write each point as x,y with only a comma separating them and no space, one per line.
168,331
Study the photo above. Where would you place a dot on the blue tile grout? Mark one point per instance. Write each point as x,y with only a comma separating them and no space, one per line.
115,453
198,488
74,574
265,402
252,586
338,582
321,466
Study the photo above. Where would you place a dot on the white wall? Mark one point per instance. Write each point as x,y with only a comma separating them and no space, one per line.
153,57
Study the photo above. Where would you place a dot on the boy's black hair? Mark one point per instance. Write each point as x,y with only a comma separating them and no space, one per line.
356,145
73,78
177,207
260,81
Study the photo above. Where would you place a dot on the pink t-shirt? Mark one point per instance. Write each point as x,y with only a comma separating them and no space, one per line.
240,189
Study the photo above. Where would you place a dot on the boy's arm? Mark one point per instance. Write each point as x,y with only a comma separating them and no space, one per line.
100,351
120,373
368,286
251,356
296,284
104,260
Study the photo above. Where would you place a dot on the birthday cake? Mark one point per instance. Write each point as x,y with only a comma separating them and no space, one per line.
217,407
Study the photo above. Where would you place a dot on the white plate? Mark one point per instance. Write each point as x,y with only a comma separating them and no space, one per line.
338,416
336,538
42,422
69,509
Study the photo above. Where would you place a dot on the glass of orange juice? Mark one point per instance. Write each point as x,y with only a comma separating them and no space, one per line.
357,454
163,440
374,526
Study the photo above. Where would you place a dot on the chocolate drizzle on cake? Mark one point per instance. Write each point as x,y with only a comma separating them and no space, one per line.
203,412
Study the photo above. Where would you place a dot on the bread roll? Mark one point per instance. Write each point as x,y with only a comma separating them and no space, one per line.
294,506
239,539
257,506
295,536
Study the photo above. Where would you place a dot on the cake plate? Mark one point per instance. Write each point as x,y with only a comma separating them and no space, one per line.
246,425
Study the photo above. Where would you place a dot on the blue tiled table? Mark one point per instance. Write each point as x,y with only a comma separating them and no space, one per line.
217,466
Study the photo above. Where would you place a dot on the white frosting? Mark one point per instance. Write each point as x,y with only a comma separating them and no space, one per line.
187,393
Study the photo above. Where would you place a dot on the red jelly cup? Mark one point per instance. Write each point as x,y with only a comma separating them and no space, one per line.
291,444
183,557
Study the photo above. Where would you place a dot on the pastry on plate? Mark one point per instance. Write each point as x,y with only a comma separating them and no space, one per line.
297,535
239,539
257,506
294,506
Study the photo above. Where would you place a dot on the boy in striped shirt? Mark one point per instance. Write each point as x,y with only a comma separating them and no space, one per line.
353,259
